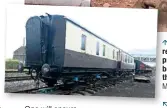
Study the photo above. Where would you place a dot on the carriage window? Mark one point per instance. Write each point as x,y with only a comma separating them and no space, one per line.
113,54
117,55
126,58
104,50
83,42
97,48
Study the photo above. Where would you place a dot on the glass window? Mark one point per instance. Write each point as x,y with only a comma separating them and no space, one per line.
126,58
97,48
117,55
104,50
83,42
113,54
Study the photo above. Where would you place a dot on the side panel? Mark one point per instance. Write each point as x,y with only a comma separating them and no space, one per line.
73,37
33,46
127,61
126,66
75,57
73,42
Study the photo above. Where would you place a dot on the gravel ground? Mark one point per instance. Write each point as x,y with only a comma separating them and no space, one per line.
20,85
131,89
15,74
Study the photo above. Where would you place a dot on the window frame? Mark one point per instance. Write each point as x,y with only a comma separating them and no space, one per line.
118,55
113,54
83,45
97,48
104,50
125,58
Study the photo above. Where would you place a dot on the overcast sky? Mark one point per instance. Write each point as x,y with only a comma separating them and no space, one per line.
129,29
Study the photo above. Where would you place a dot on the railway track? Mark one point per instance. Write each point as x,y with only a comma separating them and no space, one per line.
29,90
88,89
21,78
16,76
15,71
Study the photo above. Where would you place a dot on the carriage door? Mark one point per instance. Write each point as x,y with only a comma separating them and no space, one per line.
44,41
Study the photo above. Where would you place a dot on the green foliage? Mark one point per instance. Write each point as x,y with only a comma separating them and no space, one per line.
11,64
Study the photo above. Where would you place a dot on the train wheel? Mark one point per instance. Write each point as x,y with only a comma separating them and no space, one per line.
34,74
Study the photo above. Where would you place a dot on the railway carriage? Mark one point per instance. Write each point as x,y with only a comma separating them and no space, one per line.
141,67
59,48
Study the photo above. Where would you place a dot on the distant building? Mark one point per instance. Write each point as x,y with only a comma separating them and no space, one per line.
19,54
